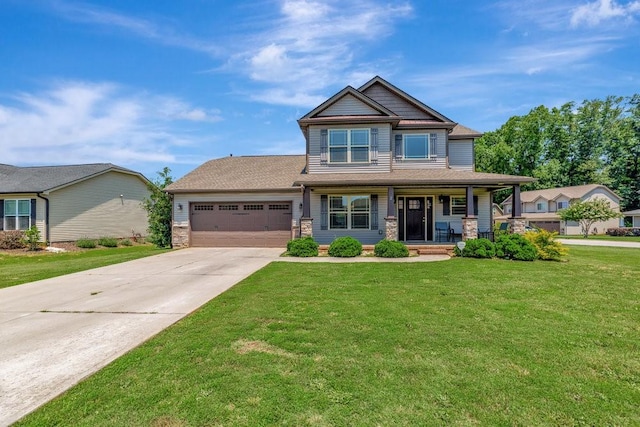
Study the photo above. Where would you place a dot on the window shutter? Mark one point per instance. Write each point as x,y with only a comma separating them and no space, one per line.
1,214
324,212
324,146
398,147
33,212
374,211
475,205
374,146
446,205
433,145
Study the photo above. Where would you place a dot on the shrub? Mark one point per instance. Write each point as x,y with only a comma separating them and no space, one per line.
390,249
546,245
515,246
126,242
108,242
86,243
345,247
478,248
302,247
32,238
13,239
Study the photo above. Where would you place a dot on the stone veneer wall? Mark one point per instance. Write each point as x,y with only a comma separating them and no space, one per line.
306,227
469,228
517,225
391,228
180,236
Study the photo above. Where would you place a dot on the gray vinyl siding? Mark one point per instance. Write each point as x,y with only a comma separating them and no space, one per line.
384,151
349,106
461,155
395,103
366,237
484,210
441,151
181,217
93,208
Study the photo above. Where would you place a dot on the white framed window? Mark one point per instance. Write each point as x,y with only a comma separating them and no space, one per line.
17,214
349,145
349,212
458,205
416,146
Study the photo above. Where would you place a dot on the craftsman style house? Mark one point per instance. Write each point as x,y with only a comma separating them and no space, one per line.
378,164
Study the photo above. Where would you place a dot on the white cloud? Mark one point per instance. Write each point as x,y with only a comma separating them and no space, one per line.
592,14
78,122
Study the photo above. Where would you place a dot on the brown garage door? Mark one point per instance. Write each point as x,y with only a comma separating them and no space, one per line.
235,224
547,225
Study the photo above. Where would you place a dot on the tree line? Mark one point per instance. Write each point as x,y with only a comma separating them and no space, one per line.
596,142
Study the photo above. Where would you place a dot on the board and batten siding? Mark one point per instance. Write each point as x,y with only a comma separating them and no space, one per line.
439,162
461,155
181,216
384,151
366,237
93,208
396,104
349,105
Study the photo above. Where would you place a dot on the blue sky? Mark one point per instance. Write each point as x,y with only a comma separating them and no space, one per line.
147,84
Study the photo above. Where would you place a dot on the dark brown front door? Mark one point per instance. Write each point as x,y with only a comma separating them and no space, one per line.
415,213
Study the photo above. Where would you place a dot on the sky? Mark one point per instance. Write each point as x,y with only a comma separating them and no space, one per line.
151,84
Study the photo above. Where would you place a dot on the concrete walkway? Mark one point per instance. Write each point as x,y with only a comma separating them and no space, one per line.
593,242
55,332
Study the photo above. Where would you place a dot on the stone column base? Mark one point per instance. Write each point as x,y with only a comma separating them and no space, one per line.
391,228
469,228
179,236
306,227
517,225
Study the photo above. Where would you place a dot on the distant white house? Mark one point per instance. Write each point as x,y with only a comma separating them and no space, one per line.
634,215
540,207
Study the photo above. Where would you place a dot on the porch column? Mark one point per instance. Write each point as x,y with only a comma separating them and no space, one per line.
391,221
306,222
470,221
516,222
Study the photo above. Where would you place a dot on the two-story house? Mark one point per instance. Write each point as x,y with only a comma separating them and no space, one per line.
378,164
539,208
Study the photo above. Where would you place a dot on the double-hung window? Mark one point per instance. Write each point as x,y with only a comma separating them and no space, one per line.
349,212
349,145
458,205
17,214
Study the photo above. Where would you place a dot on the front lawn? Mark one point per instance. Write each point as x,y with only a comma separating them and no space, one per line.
604,237
23,268
460,342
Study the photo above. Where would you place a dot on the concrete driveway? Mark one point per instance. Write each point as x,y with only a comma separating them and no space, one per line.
55,332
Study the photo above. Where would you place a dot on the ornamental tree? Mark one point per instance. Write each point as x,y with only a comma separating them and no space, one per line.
158,207
587,213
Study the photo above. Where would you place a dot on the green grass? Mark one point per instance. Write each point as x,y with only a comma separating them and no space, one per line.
18,269
461,342
605,237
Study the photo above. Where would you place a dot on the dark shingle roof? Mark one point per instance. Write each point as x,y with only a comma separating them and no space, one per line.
251,173
37,179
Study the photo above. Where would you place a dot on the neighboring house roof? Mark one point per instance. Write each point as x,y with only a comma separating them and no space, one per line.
243,173
541,216
462,132
43,179
632,213
574,192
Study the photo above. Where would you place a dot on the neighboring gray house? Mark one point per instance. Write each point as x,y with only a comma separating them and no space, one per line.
67,203
378,164
540,207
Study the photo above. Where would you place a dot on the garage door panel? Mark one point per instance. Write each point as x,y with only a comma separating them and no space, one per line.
547,225
240,224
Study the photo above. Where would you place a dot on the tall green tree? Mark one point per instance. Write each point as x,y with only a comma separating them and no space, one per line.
158,207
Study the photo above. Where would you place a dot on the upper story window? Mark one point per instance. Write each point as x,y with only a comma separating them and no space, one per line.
563,205
415,146
17,214
540,207
349,145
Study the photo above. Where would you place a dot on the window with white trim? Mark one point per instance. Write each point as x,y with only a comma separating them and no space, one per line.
458,205
349,145
17,214
349,212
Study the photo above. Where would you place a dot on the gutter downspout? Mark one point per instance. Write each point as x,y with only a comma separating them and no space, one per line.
46,219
